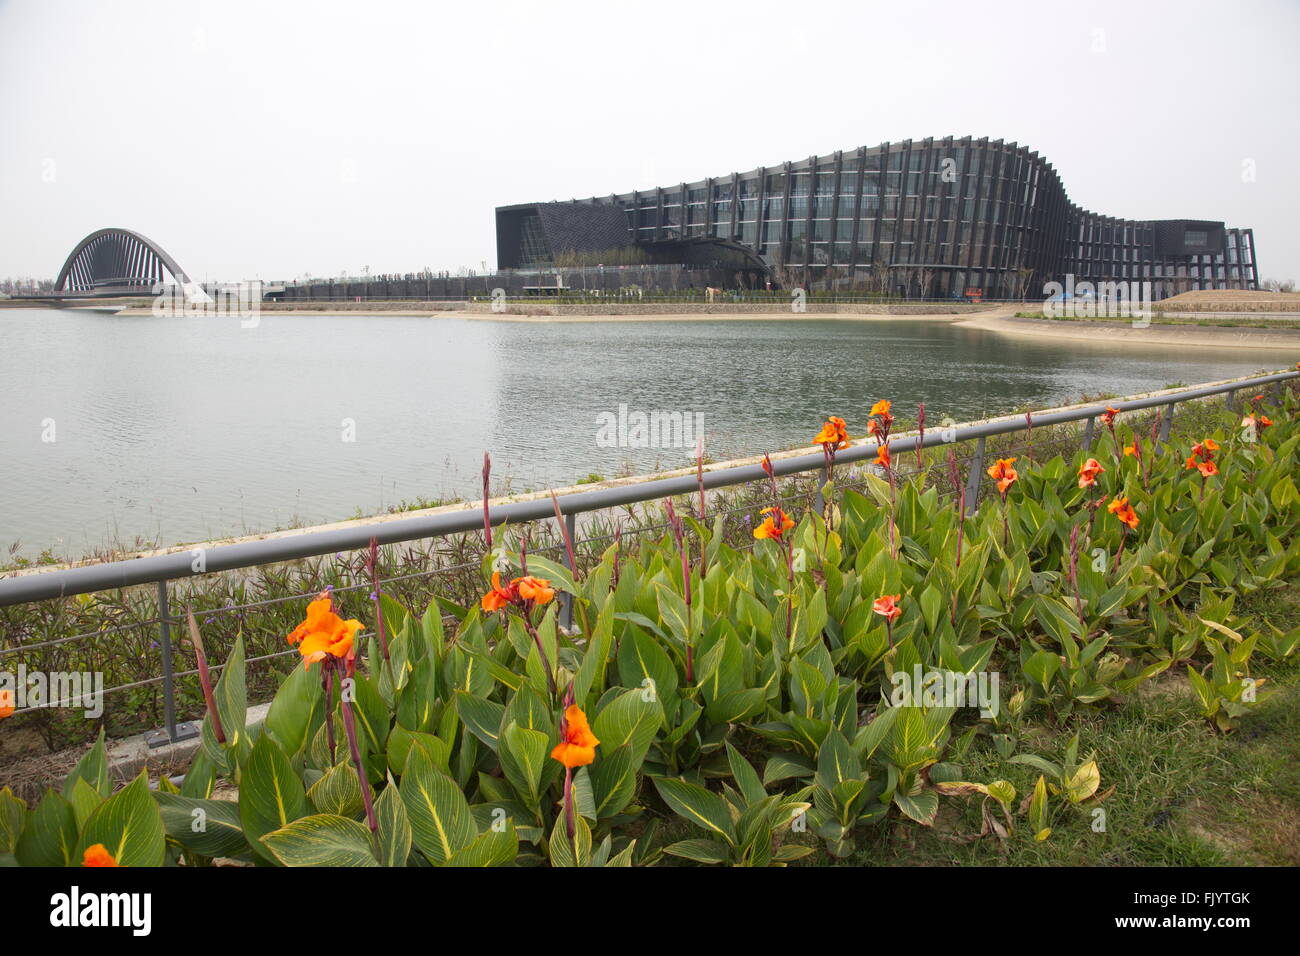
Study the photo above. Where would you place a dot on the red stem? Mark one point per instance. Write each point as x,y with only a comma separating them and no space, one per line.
349,724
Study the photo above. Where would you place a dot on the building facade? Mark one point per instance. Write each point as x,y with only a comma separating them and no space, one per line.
929,218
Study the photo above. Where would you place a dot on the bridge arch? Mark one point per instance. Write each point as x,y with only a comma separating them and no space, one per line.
117,262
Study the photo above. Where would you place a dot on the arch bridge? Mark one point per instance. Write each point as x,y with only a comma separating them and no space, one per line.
116,262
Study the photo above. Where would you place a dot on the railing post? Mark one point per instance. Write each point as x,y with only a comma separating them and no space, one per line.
1163,438
566,599
171,732
973,478
819,504
1088,430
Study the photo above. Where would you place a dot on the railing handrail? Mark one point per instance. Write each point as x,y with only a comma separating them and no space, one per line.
66,582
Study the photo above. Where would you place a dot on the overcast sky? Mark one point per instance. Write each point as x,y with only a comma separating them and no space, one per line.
272,140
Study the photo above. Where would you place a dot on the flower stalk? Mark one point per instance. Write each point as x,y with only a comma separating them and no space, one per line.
205,679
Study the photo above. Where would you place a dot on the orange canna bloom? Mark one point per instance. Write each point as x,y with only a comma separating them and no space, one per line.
882,456
6,704
1002,472
1264,422
499,596
1121,509
1089,472
887,606
774,525
834,433
537,590
578,746
882,408
1130,451
98,855
1108,416
1207,468
1202,451
323,633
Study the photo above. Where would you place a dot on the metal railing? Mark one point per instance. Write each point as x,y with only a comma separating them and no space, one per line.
181,564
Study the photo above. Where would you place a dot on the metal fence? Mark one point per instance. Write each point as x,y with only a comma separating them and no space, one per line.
159,570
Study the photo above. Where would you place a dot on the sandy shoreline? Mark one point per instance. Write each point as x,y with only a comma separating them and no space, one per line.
1124,334
997,320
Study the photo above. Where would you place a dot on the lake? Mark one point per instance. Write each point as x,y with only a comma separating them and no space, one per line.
129,430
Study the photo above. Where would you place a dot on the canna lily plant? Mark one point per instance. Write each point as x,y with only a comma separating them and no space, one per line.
760,712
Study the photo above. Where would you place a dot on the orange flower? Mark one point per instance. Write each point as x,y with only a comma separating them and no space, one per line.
887,606
1002,472
774,525
578,746
1131,451
1089,472
1108,416
98,855
1202,451
882,408
1207,468
882,456
1120,508
834,433
6,704
1264,422
499,597
537,590
323,633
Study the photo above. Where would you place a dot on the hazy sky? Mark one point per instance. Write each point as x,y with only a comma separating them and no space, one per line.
277,139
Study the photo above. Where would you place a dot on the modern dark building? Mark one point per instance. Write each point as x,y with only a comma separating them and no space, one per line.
931,218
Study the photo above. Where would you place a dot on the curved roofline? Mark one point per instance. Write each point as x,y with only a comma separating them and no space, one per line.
172,265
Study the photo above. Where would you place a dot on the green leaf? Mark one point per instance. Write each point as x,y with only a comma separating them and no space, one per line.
441,823
85,799
394,834
566,851
92,768
338,792
270,793
129,826
13,814
481,716
922,807
294,711
50,835
697,805
209,828
494,847
322,840
746,777
630,718
701,851
613,780
523,760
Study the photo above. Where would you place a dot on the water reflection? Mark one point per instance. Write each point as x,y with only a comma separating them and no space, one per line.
184,429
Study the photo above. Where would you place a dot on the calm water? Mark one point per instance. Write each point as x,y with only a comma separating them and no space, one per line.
184,429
